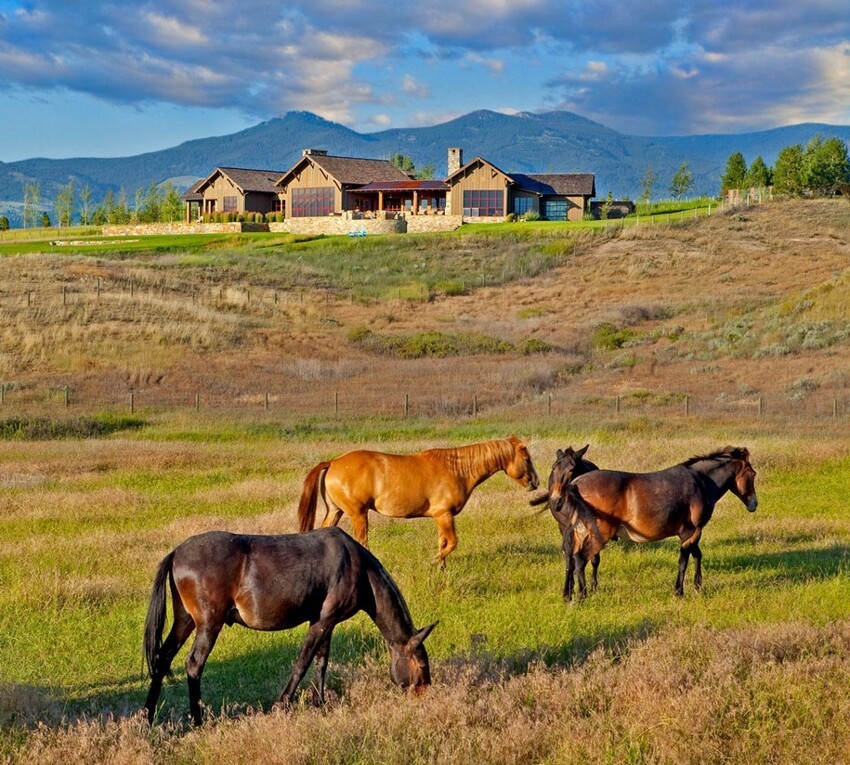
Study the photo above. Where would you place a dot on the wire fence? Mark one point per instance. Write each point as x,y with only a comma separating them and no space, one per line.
321,401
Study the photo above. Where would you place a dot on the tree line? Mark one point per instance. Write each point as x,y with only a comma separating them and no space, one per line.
821,168
156,204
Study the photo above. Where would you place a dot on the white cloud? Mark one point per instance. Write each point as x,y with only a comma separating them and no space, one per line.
413,88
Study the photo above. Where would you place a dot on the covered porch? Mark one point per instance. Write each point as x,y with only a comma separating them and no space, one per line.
410,197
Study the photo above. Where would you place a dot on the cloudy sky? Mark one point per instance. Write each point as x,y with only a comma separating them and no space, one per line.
90,78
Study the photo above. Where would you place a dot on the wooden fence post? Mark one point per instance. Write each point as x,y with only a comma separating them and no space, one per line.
132,402
197,401
336,403
406,404
687,405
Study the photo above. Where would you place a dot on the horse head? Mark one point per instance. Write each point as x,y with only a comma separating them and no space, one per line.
409,666
744,483
568,464
520,467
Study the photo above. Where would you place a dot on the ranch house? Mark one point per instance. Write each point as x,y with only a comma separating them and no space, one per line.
480,190
234,189
320,185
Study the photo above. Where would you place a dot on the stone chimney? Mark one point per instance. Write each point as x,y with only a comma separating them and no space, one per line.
314,152
455,160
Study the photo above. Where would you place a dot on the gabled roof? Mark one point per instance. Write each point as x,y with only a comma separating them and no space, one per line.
545,184
478,161
565,184
193,193
244,179
349,171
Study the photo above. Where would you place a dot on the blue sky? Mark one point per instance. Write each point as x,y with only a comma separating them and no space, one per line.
88,78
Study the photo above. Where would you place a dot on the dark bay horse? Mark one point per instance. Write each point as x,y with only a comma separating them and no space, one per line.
434,483
569,464
647,507
275,583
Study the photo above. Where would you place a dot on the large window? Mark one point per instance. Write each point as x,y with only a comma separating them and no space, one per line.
556,209
522,205
312,202
483,203
229,204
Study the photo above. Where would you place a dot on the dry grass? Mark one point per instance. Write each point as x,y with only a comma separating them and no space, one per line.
697,695
722,309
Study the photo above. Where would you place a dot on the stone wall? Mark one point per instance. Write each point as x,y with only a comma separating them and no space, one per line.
151,229
419,224
340,225
348,223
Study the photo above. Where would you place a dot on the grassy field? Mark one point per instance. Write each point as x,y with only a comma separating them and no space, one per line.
753,669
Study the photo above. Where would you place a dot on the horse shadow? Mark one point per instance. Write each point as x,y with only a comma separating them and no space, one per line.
252,680
238,684
790,566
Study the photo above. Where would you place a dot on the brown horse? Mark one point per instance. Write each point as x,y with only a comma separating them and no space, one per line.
275,583
434,483
568,464
647,507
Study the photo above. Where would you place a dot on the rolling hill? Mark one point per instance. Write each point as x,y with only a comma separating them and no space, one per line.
524,142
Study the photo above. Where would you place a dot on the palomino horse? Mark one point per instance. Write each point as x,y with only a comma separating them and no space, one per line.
434,483
646,507
276,583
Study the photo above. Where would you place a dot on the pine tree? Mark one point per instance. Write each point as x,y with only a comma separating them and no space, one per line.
736,173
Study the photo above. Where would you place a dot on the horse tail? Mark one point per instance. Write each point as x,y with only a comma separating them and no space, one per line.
310,497
155,621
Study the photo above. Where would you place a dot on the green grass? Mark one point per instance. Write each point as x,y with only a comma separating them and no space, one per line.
78,560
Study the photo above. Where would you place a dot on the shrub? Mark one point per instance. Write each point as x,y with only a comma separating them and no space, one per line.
608,338
534,345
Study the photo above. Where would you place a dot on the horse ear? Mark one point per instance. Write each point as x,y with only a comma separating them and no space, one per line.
559,454
418,637
580,452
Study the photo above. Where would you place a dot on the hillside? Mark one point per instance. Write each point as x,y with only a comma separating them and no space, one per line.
549,142
724,311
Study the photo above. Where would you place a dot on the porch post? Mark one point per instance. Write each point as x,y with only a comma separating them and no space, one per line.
415,202
380,201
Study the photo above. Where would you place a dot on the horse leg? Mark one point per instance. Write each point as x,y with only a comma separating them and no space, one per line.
331,519
446,536
318,635
321,660
360,525
697,553
179,634
684,554
580,565
195,661
569,579
594,576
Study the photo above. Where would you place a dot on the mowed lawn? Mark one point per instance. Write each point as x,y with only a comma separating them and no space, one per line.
84,523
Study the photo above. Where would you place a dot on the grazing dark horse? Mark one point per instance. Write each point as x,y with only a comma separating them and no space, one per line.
434,483
275,583
647,507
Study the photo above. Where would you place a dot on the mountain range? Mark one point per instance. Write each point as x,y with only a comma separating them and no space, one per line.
556,141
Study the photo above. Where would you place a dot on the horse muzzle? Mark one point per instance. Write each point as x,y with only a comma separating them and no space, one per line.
752,503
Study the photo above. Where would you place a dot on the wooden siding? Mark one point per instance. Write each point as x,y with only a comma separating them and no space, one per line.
223,187
310,176
476,177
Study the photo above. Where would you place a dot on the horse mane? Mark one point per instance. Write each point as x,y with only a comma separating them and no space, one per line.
399,604
492,455
727,452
